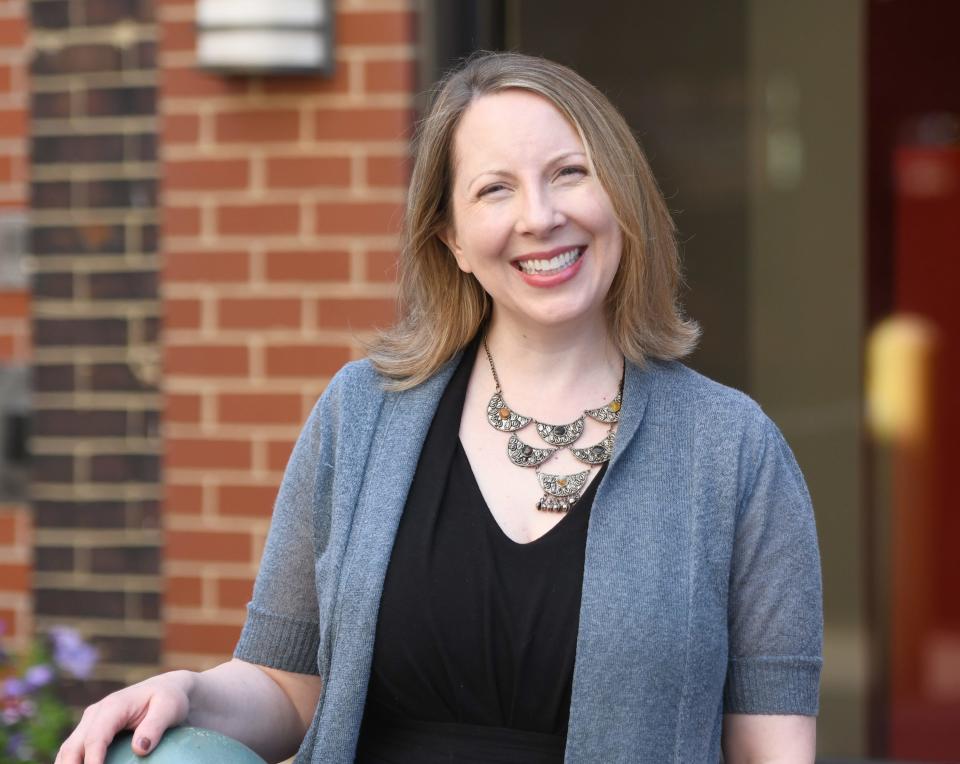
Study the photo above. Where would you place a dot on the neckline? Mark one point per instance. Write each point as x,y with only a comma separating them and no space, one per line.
557,529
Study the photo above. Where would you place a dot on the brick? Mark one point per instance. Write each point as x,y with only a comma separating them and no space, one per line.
148,235
51,195
100,12
75,149
358,218
123,285
208,546
53,378
125,468
362,124
183,591
143,55
8,529
381,266
206,360
86,58
188,82
180,128
234,592
50,105
259,313
117,377
117,194
6,169
9,622
257,126
207,266
278,454
388,171
308,172
337,82
54,558
206,175
182,407
178,35
375,28
307,266
92,239
6,78
247,500
182,314
14,304
82,604
50,14
96,514
133,560
184,499
118,102
121,649
79,423
209,453
258,219
355,313
181,221
389,76
13,31
201,638
58,286
305,360
13,123
15,577
80,331
259,408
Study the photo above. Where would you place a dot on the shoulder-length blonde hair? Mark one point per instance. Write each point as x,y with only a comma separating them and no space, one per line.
441,308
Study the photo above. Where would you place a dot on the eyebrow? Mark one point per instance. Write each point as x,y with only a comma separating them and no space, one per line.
553,160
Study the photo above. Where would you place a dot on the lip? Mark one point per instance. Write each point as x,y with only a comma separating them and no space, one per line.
553,279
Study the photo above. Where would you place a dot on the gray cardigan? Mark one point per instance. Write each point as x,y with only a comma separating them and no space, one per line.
701,586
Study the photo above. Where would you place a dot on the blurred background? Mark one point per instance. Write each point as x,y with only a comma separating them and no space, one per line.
199,202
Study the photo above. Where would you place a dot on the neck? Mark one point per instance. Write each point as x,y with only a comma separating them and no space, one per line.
555,357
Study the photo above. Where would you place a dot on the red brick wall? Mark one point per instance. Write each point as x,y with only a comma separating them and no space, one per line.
280,205
15,537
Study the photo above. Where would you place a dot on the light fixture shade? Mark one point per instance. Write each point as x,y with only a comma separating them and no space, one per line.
265,36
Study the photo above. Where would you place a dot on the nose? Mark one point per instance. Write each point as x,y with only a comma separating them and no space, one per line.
538,214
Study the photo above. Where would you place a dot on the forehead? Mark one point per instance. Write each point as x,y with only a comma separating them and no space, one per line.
512,126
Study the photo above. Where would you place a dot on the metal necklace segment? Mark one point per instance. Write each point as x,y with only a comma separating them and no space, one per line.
560,492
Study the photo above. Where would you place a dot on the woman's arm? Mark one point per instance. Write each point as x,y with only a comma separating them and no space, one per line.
266,709
762,739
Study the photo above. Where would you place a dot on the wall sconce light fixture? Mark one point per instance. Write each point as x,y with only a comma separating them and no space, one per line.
265,36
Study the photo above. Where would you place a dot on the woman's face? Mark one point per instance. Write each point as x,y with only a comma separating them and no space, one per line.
530,219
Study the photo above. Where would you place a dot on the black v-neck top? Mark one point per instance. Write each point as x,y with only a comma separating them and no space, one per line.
476,634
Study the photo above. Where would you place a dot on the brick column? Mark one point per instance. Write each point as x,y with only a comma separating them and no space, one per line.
282,200
96,445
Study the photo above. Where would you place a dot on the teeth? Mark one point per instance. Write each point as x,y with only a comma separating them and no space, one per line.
557,263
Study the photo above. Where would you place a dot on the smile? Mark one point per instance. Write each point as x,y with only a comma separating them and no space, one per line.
548,267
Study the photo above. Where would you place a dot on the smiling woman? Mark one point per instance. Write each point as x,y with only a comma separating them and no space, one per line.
522,530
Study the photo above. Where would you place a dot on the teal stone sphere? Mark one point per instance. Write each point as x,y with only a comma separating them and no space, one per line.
184,745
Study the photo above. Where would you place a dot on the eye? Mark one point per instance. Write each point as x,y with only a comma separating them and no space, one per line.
572,171
491,189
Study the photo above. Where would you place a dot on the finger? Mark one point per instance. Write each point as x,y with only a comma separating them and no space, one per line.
161,715
95,750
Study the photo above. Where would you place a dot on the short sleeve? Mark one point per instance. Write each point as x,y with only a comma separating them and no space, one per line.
775,617
281,629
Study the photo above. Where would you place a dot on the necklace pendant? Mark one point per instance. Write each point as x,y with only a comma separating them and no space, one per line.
504,418
527,456
607,414
560,434
596,454
560,492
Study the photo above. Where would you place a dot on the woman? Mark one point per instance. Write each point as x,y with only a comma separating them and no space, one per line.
534,536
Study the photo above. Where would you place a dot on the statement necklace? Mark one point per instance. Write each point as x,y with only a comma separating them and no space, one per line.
560,492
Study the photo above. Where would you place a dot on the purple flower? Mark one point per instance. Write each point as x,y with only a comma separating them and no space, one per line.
71,653
14,688
38,676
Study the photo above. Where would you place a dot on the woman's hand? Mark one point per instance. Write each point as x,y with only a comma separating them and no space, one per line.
148,708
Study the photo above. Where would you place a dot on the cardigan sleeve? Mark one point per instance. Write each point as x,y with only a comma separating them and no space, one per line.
282,625
775,616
